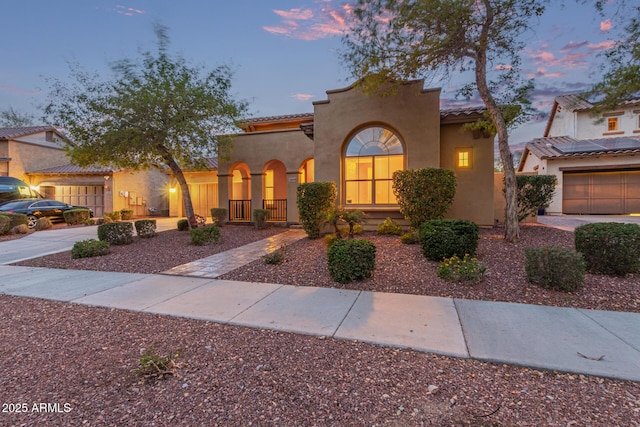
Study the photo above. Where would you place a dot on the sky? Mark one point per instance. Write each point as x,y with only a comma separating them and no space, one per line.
284,53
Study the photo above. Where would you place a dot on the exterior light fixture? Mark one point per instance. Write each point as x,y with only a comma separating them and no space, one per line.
172,190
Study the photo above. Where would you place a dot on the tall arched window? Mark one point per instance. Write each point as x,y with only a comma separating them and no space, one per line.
370,159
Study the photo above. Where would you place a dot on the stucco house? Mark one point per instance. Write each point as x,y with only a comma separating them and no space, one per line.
595,158
356,141
36,156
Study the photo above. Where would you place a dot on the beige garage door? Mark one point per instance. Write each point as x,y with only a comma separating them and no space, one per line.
91,196
204,197
616,192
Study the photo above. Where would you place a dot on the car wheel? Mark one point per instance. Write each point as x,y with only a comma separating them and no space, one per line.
31,221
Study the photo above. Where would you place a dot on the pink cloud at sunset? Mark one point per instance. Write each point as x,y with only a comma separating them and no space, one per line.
325,20
18,91
542,72
303,96
606,25
128,11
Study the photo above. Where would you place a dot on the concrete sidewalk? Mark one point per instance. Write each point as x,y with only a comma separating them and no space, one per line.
573,340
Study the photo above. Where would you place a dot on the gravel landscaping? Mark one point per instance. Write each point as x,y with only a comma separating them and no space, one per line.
85,357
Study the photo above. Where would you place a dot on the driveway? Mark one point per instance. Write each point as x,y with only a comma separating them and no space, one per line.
570,222
57,240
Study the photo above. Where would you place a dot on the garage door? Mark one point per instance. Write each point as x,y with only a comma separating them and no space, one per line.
204,197
91,196
616,192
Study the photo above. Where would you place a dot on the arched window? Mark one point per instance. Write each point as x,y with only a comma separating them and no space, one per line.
370,159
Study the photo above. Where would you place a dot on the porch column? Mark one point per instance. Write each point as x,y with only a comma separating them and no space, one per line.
256,191
224,182
293,178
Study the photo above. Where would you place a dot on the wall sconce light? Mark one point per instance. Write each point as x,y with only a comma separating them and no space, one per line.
106,178
172,190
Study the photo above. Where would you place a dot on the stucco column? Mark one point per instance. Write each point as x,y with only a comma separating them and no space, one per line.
224,182
293,179
256,191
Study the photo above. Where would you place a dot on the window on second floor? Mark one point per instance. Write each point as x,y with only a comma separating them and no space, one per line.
612,124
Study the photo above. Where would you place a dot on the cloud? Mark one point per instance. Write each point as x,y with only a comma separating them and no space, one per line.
574,45
606,25
606,45
128,11
324,20
18,91
542,72
302,96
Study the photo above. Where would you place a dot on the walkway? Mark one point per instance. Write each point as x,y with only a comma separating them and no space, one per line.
601,343
221,263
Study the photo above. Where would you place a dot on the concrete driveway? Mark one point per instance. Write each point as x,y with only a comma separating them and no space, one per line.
58,240
570,222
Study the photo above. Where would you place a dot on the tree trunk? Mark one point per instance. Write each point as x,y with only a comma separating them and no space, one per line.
184,187
512,226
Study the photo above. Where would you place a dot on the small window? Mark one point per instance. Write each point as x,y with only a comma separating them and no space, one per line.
612,124
464,158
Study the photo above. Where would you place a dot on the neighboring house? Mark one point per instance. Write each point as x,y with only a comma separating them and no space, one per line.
356,141
36,155
596,159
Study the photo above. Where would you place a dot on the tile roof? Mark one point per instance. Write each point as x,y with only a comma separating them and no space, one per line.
573,102
288,117
11,133
457,112
73,169
552,147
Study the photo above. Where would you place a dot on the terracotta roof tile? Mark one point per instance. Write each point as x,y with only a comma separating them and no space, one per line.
73,169
11,133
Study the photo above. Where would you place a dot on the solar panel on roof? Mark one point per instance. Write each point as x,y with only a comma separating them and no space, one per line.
612,144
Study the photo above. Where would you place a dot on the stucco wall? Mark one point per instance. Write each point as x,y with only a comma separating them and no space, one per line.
140,191
26,157
412,113
475,187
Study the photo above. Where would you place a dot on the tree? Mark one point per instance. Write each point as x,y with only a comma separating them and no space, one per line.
621,79
157,109
402,39
535,192
11,118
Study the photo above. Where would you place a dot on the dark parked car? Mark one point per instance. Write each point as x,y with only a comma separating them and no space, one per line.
39,208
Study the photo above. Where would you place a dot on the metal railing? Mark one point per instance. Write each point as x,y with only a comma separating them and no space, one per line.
239,210
277,209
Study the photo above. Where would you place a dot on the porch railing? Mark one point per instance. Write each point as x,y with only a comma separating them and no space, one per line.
277,209
240,210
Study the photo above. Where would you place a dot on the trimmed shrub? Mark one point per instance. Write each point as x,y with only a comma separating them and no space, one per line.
5,224
610,248
260,217
424,194
19,229
183,225
89,222
126,214
555,268
444,238
90,248
43,224
315,200
467,269
219,216
145,228
535,192
116,233
410,238
276,257
205,235
114,216
76,216
329,239
350,260
354,219
389,226
357,230
16,219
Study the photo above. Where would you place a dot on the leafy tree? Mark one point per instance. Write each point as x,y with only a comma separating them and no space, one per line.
11,118
156,109
621,79
392,40
316,203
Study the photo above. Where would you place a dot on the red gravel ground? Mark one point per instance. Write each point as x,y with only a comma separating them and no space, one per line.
85,357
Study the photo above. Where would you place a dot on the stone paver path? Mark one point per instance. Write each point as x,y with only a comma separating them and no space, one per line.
224,262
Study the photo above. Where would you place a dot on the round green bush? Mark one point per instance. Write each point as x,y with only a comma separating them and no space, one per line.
116,233
205,235
76,216
89,248
555,268
351,260
609,247
389,226
145,228
5,224
183,225
444,238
